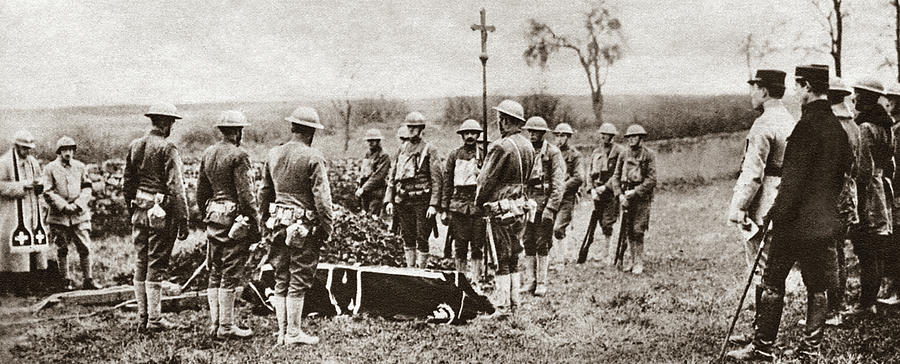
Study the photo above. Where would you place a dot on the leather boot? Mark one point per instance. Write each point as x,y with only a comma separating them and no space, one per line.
610,250
637,254
477,267
528,283
540,288
155,321
461,265
140,297
500,299
212,299
515,298
816,313
62,261
227,327
89,284
278,302
410,256
769,309
743,339
295,334
421,260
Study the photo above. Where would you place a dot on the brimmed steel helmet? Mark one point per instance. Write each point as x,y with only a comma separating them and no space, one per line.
469,125
232,119
65,142
563,128
511,108
536,123
403,132
373,134
163,109
608,128
305,116
415,118
24,138
635,130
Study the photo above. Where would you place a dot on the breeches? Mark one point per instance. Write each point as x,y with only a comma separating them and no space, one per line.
295,268
62,236
225,259
153,248
467,230
816,257
414,226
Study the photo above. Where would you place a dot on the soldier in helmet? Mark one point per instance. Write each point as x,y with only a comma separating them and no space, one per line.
22,251
633,183
573,180
68,191
602,166
891,101
414,185
458,199
545,186
501,192
760,176
295,201
226,202
154,188
375,167
873,238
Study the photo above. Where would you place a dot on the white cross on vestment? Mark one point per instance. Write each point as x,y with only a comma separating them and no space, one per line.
21,238
39,237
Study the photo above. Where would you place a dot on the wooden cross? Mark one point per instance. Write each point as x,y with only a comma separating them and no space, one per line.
484,28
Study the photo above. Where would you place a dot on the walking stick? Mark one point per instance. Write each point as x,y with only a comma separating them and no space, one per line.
737,312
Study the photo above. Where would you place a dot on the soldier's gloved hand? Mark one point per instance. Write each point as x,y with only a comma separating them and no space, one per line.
548,215
359,192
559,234
431,212
623,200
445,218
71,208
389,208
38,188
183,230
737,216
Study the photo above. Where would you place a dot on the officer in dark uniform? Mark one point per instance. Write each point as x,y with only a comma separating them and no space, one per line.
225,199
154,187
295,201
805,219
458,199
573,180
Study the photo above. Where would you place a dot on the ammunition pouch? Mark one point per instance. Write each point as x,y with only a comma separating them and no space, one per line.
507,211
299,223
221,212
412,190
147,210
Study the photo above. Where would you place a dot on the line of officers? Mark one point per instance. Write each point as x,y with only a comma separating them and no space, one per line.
820,181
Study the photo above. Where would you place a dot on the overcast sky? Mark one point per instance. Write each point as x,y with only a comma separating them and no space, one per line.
55,52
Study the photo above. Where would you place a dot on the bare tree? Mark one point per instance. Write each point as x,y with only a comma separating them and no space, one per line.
753,49
896,61
344,107
602,48
832,21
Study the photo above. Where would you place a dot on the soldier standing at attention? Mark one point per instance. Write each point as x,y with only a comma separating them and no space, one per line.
603,164
501,191
225,199
545,186
891,101
757,185
68,191
461,214
153,185
805,220
573,180
633,182
414,187
375,167
295,201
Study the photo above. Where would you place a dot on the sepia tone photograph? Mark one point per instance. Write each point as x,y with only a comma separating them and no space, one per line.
410,181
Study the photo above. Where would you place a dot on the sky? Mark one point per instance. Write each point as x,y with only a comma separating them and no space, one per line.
93,52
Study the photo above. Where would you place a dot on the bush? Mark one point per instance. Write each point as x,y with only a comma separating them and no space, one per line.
460,108
380,110
689,116
551,108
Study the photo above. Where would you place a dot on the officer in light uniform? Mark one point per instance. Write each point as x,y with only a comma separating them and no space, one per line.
573,180
154,187
414,187
501,193
225,200
545,186
375,166
633,183
68,191
295,201
603,163
458,199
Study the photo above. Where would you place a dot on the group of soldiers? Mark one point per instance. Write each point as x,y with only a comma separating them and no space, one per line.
808,186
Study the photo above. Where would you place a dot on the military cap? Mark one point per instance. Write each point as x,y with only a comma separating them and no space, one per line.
373,134
870,84
232,118
24,138
768,78
536,123
815,73
563,128
469,125
65,142
305,116
511,108
163,109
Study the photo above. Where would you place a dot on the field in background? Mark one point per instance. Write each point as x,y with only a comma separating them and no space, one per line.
103,132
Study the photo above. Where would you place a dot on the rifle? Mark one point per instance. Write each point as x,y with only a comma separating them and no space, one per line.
448,242
624,236
491,253
588,237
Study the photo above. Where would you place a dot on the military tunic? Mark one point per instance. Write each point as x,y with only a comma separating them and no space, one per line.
153,166
224,192
573,180
603,164
458,199
545,186
414,184
375,167
507,166
296,177
636,171
760,176
65,185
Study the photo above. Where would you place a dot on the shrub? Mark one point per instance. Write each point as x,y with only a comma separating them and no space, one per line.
380,110
459,108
